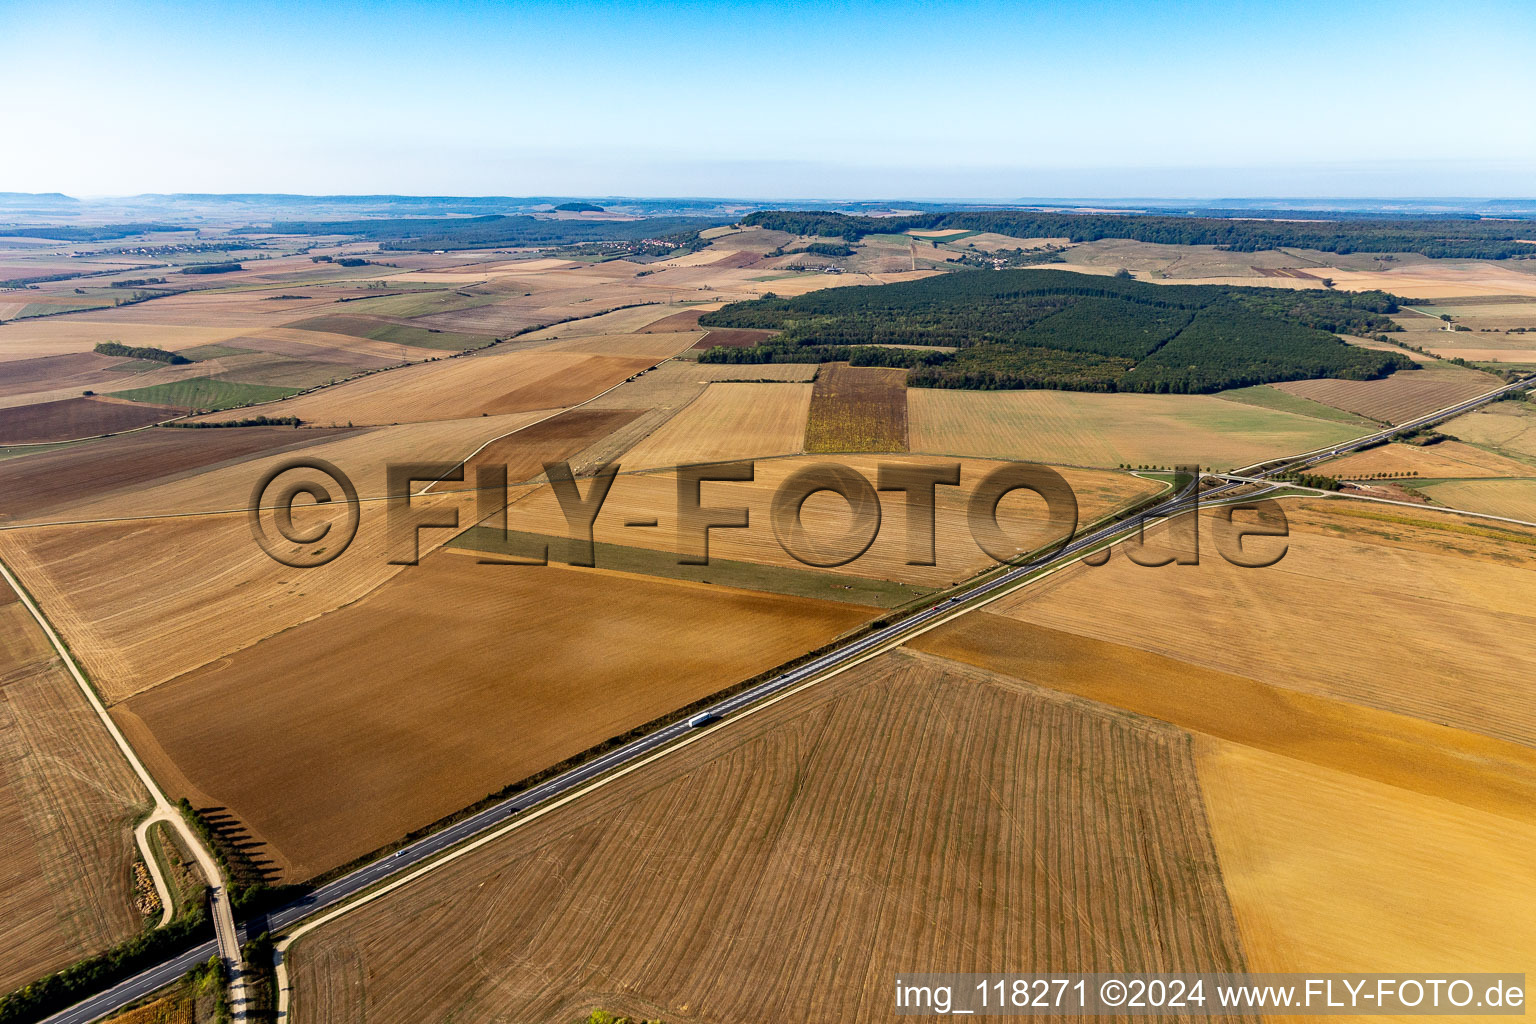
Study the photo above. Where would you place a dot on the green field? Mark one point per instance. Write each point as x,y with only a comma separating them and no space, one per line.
206,393
771,579
201,352
422,337
1266,397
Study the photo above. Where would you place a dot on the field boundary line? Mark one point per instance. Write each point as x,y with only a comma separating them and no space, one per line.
285,943
1386,501
164,810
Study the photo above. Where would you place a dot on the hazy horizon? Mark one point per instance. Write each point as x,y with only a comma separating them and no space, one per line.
980,101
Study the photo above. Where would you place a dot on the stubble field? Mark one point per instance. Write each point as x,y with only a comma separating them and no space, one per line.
1399,397
68,802
1081,429
910,811
336,737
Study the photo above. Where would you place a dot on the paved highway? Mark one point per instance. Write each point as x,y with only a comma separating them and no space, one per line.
364,878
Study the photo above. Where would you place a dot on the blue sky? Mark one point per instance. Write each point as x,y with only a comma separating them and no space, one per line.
784,100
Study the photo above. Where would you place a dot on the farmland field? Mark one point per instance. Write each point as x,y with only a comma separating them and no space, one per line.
909,811
1478,587
652,497
730,421
1402,396
857,409
416,709
74,418
1503,426
68,802
1306,767
205,394
1084,429
472,386
1512,499
78,472
1445,459
1428,878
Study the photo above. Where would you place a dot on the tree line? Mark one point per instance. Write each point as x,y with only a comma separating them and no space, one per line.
1446,238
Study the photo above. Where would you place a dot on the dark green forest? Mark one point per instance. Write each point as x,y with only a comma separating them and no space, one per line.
159,355
1460,238
412,233
1051,329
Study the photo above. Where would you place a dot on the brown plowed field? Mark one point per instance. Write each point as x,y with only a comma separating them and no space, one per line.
363,455
737,261
726,337
79,370
910,811
857,409
33,483
1400,396
687,320
76,417
449,683
68,802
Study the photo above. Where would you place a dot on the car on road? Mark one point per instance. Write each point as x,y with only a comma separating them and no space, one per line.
702,719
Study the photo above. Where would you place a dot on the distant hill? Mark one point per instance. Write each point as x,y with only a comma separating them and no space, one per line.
579,208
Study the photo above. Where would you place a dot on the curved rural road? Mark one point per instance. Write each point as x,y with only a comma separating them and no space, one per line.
223,912
405,865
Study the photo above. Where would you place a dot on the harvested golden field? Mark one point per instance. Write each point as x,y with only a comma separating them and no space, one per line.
123,598
1437,615
909,811
121,593
652,497
29,339
857,409
1493,775
524,452
1084,429
1509,427
729,421
68,803
650,346
1446,459
1512,499
497,382
646,319
452,681
1440,279
1400,396
1330,871
752,372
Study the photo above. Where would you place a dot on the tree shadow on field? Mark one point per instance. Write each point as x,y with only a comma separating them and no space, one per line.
246,856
